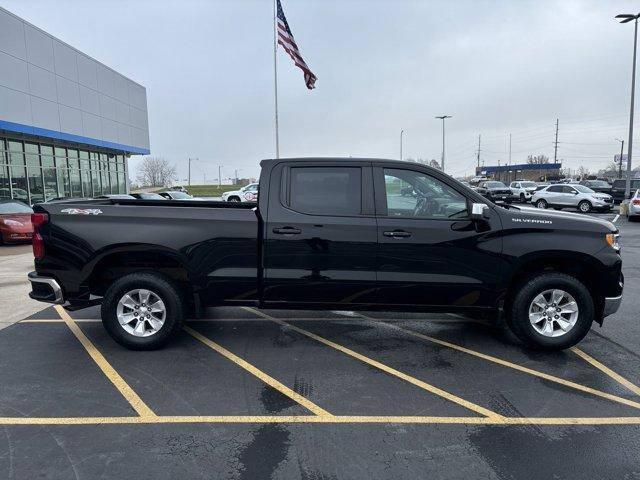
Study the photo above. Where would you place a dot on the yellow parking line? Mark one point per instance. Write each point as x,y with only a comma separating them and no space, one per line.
606,370
515,366
123,387
392,371
272,382
337,419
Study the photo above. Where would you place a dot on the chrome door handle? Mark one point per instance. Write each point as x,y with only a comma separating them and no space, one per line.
397,234
287,231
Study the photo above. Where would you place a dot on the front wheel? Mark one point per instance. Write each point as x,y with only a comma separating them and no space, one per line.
551,311
542,203
585,206
142,311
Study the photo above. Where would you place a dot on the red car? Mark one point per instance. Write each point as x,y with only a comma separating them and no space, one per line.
15,221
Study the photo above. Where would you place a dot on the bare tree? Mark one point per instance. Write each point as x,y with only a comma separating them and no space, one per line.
537,159
156,172
583,172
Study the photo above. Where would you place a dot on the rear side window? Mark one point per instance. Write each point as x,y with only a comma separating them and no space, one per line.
555,188
326,190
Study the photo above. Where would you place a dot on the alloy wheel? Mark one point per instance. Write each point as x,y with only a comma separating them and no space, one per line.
141,312
553,312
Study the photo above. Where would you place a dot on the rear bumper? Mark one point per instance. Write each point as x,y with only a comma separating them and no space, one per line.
45,289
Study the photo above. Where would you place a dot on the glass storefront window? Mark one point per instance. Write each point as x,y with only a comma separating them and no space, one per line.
37,172
95,181
86,183
64,189
36,187
5,191
76,186
19,184
122,184
84,160
50,183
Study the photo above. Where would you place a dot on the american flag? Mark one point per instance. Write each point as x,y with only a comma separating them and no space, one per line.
285,38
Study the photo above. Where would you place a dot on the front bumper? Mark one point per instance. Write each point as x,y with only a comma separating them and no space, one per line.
45,289
611,305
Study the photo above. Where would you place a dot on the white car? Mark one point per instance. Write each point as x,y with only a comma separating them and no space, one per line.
561,196
523,190
633,212
248,193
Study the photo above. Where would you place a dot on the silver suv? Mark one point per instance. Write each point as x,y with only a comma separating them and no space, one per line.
576,196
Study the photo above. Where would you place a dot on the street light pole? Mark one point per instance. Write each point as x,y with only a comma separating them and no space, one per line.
443,118
401,132
625,19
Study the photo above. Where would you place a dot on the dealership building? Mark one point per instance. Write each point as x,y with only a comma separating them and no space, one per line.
68,123
536,172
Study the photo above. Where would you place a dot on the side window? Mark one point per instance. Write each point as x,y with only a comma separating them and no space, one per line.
414,194
568,189
554,189
516,185
326,190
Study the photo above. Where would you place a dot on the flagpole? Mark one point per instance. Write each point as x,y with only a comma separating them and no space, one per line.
275,77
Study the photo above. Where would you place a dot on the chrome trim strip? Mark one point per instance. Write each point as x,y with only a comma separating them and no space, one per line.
57,291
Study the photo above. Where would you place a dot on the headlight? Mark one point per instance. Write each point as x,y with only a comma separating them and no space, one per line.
612,240
13,223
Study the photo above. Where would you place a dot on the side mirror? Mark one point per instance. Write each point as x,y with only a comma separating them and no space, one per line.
479,211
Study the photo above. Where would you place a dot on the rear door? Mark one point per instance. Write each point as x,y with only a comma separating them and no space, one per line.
554,195
320,236
430,252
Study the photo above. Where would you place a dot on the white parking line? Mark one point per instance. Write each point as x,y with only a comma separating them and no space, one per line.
615,218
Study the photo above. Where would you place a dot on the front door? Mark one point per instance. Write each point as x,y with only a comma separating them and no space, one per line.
430,252
320,234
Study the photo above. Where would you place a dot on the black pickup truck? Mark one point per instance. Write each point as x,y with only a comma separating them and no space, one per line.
329,234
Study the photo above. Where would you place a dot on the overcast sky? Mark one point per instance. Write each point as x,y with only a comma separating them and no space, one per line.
497,67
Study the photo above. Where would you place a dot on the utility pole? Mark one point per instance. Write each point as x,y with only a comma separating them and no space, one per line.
443,118
620,159
401,133
627,18
509,149
237,179
219,175
478,153
555,152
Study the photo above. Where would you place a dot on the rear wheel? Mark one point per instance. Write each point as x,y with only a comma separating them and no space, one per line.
142,311
542,203
234,199
551,311
585,206
522,198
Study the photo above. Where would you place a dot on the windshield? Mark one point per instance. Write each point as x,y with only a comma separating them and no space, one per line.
528,184
180,195
495,185
598,183
14,207
583,189
151,196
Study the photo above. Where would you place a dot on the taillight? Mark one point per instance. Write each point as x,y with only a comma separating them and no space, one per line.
37,220
636,201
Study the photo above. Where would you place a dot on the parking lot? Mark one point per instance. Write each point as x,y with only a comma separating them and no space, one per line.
306,394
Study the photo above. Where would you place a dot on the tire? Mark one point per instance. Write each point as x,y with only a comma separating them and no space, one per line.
522,199
160,287
233,199
585,206
542,203
518,317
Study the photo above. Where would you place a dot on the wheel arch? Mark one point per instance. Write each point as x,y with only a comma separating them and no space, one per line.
114,263
583,267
